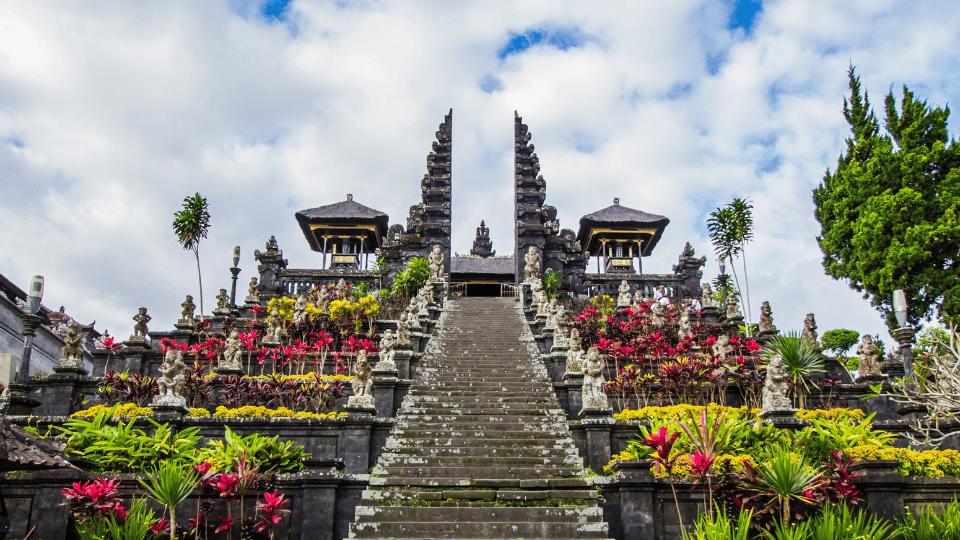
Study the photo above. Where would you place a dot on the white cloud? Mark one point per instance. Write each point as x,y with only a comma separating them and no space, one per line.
111,113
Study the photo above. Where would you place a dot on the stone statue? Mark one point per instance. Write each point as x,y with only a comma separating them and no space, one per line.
766,319
274,327
412,320
869,359
387,352
223,301
253,293
722,349
171,380
323,299
231,352
637,300
362,383
706,298
560,324
188,309
531,271
539,295
72,353
657,312
341,289
436,262
574,353
733,309
403,330
775,397
551,310
623,299
593,396
300,309
140,329
685,327
810,331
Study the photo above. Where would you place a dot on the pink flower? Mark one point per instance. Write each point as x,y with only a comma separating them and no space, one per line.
272,513
159,527
225,523
662,443
700,463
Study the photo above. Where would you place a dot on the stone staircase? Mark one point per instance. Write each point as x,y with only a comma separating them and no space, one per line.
481,448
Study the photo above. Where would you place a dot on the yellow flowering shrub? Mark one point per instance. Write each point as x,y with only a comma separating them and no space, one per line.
341,309
682,411
603,303
130,410
682,468
250,411
284,305
928,464
370,306
833,415
306,377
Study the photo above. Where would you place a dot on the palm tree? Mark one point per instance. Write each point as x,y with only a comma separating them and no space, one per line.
731,227
191,224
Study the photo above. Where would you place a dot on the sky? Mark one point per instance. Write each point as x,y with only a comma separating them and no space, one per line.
112,112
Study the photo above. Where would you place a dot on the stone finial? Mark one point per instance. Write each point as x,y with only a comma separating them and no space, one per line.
72,353
616,201
766,319
482,245
140,329
188,309
869,364
349,196
171,380
531,269
362,384
809,334
775,397
593,396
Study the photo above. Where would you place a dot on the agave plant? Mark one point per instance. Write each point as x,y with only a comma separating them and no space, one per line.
800,359
786,478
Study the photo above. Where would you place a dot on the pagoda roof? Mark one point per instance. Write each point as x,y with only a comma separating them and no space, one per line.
342,217
483,265
621,218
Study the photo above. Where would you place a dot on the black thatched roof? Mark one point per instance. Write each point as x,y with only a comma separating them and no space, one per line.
23,451
348,212
616,216
478,265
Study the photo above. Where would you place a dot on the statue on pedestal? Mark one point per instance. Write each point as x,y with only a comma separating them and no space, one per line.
593,396
274,327
706,297
775,396
300,309
232,352
403,330
223,302
657,312
341,289
253,293
72,353
140,329
362,384
574,353
766,319
531,270
436,263
188,309
733,308
323,300
809,334
623,299
869,364
171,380
387,353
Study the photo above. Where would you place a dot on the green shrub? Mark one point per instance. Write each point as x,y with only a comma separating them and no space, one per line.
927,524
839,341
265,453
817,441
929,463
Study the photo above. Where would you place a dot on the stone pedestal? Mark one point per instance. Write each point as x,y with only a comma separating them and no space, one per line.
70,372
225,371
415,341
783,419
21,402
710,315
185,325
765,336
881,487
871,380
597,424
530,314
402,357
636,499
733,323
541,323
558,363
574,384
547,335
384,391
168,413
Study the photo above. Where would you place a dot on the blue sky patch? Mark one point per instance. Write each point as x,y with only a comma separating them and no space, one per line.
491,84
15,142
744,14
559,38
273,9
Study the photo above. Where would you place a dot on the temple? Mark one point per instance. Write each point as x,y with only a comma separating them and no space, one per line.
352,238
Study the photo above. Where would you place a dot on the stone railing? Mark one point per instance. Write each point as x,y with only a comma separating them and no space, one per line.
599,284
293,281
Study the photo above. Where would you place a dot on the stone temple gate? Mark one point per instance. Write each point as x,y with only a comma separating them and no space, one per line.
352,238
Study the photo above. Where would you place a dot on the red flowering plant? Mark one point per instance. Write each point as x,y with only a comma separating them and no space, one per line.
271,511
662,445
111,346
88,500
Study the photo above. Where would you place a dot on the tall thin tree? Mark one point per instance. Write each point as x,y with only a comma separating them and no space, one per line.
731,227
191,225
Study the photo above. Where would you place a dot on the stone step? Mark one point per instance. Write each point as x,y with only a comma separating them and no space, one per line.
539,393
478,529
489,482
477,461
498,514
479,399
584,497
453,411
531,437
509,451
474,471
